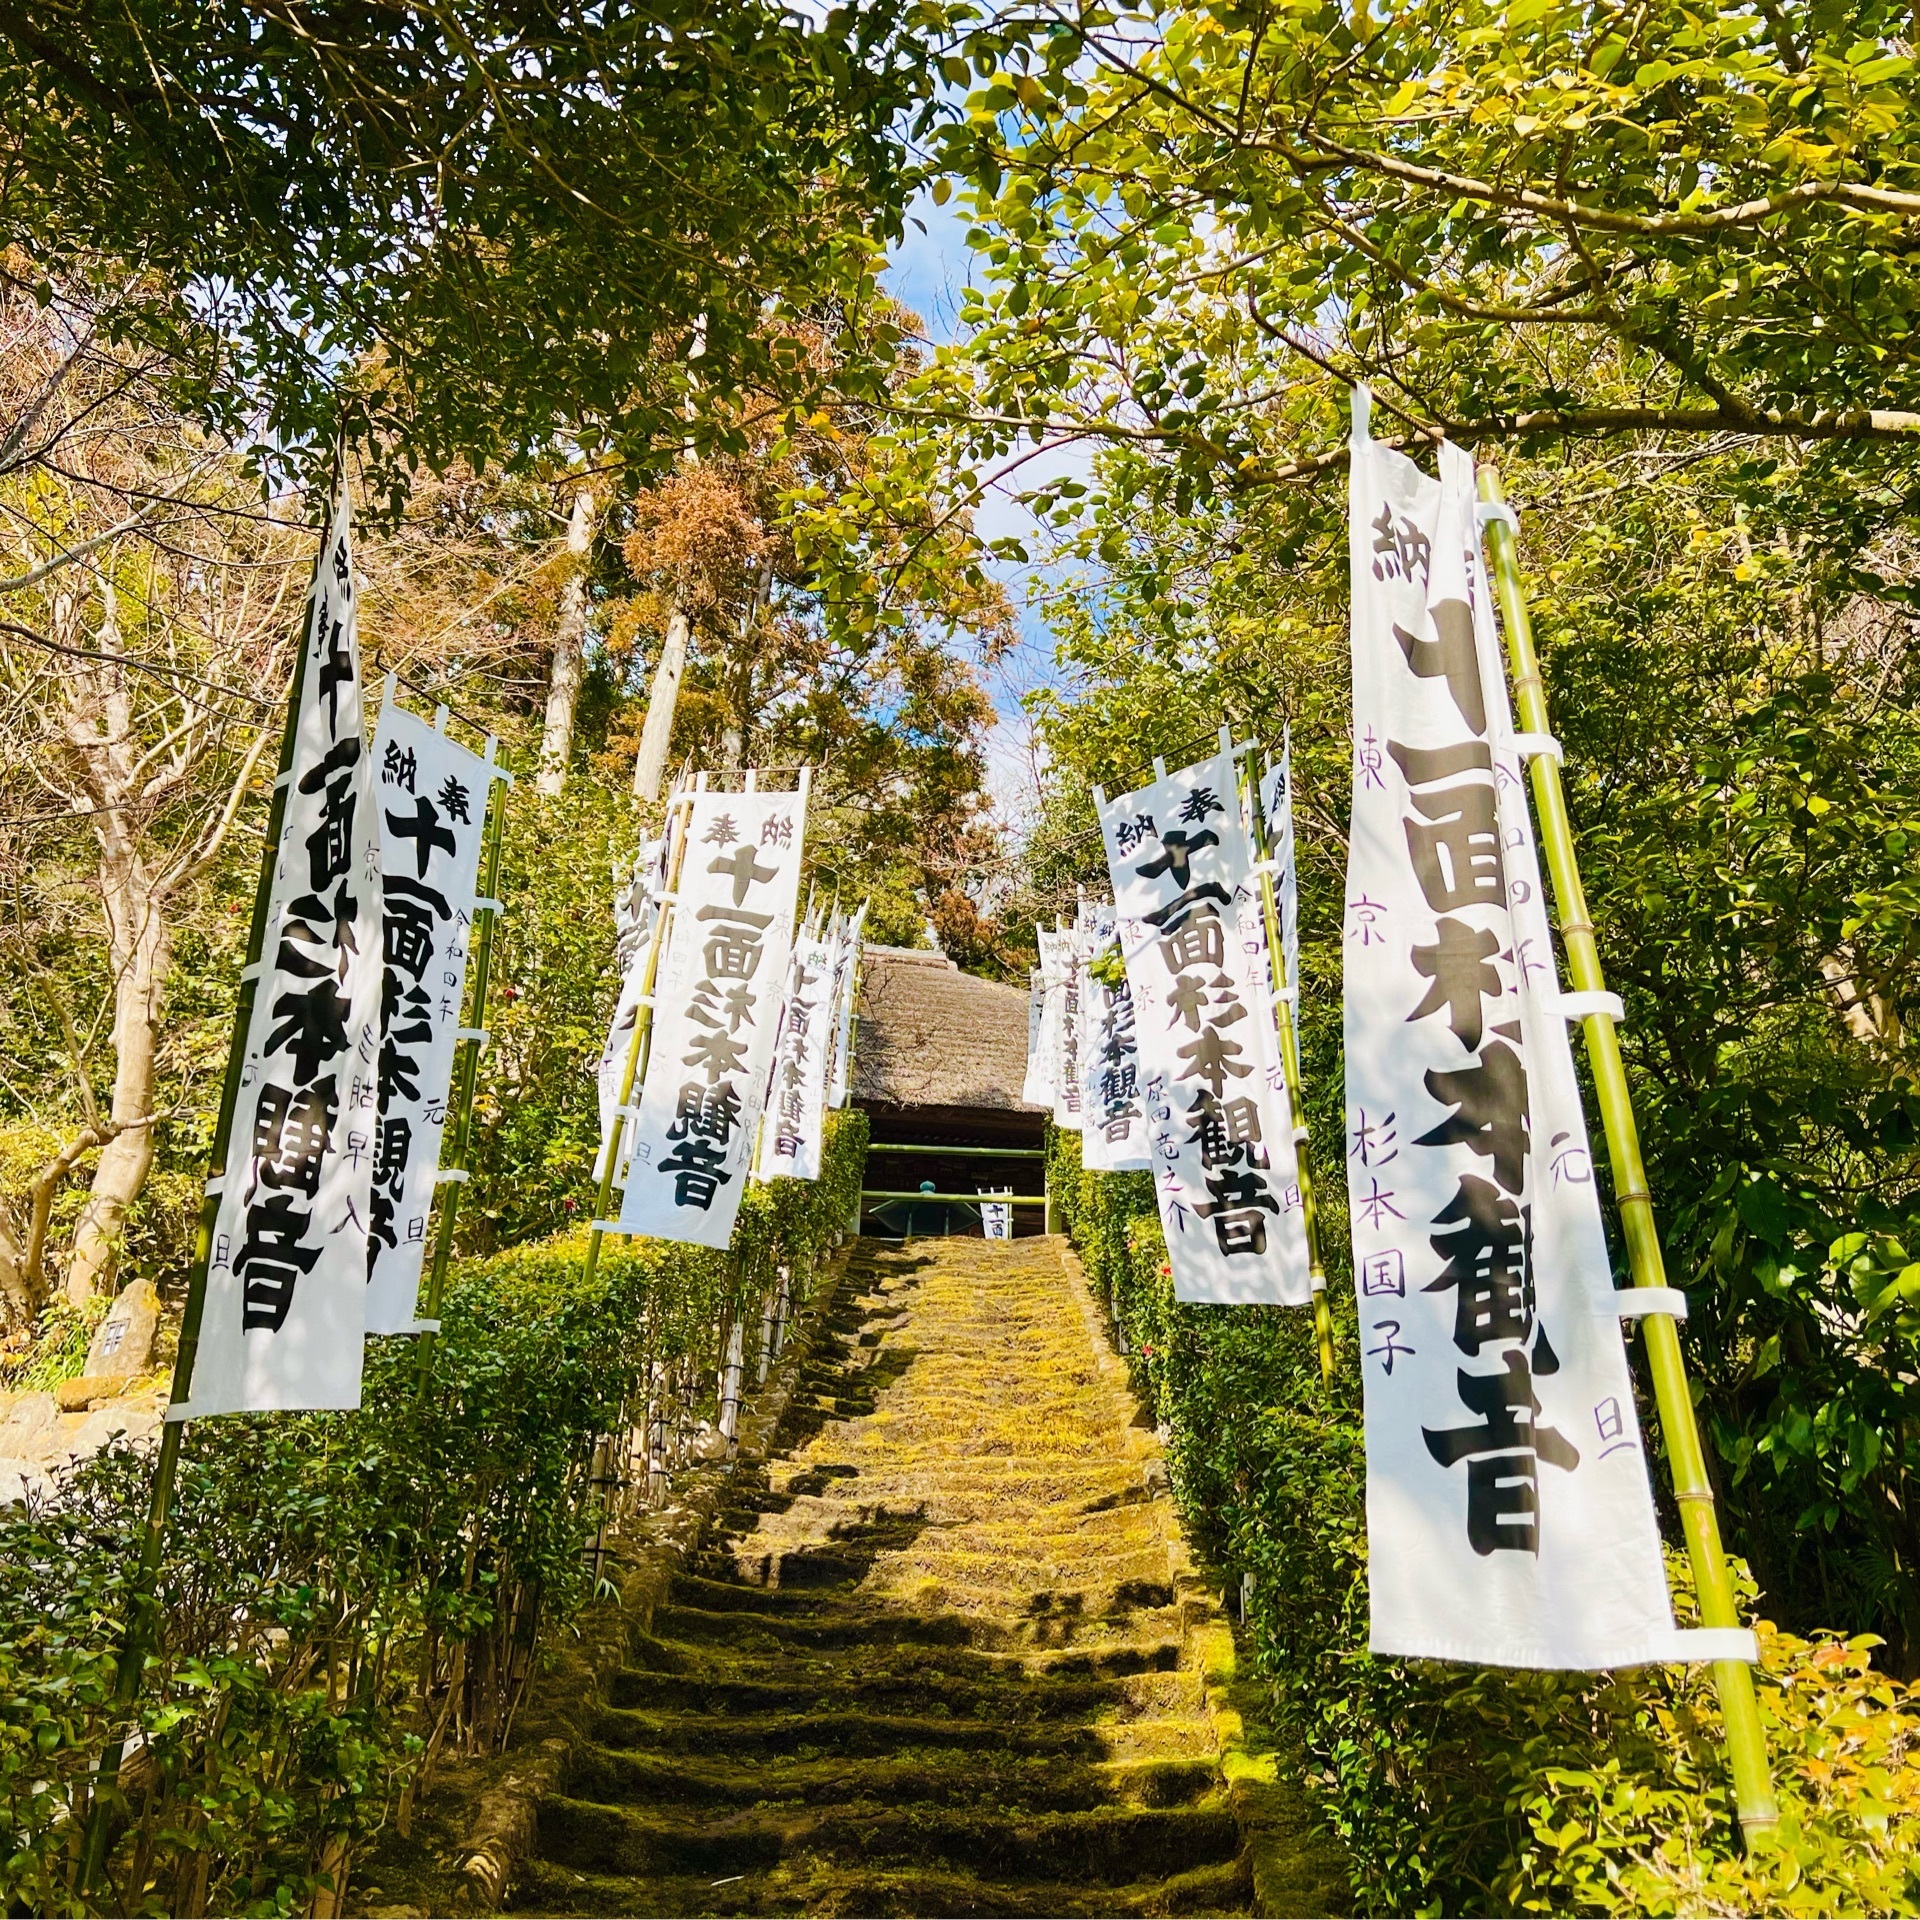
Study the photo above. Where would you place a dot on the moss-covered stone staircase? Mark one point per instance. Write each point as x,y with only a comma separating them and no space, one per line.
943,1655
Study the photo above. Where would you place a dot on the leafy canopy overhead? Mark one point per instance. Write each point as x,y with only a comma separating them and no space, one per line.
1673,216
461,226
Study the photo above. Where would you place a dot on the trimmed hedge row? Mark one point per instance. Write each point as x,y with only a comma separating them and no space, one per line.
346,1596
1466,1790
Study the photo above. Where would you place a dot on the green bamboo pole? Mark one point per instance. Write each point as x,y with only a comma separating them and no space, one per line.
1746,1743
138,1633
853,1038
466,1071
1296,1094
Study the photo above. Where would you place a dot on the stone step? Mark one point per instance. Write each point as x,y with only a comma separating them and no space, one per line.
933,1659
1105,1847
1042,1567
549,1889
1136,1601
689,1638
975,1512
1049,1634
896,1692
1072,1469
828,1631
954,1777
840,1732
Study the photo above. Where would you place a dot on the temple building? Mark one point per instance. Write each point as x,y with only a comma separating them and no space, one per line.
938,1070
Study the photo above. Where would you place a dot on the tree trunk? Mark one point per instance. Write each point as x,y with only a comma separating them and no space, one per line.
1865,1020
657,735
19,1301
23,1266
101,736
141,945
569,645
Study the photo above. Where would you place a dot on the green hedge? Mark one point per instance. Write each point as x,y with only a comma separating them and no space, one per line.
347,1595
1467,1790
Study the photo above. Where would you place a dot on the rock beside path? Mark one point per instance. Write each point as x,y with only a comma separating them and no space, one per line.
43,1433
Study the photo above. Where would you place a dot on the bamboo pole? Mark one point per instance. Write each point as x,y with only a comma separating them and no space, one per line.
466,1070
731,1368
1296,1095
853,1041
138,1633
1686,1458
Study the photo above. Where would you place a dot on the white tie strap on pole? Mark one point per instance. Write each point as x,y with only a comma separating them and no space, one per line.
1717,1643
1537,746
1497,513
1635,1303
1577,1006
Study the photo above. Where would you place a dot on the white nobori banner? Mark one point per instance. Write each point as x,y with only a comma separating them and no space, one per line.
790,1136
1218,1130
1276,804
431,794
846,991
716,1012
1067,1031
286,1300
1509,1515
1033,1090
1113,1135
636,913
1036,1090
1043,1068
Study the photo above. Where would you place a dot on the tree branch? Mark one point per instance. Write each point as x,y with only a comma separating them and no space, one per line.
203,856
1748,213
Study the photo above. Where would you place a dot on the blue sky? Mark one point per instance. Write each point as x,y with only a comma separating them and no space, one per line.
928,271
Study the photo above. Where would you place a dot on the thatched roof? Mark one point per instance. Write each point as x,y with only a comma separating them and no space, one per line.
932,1036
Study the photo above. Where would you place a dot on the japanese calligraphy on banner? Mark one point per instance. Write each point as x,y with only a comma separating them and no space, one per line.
287,1276
634,915
1067,1033
1035,1089
1508,1506
1218,1129
1042,1086
1276,804
716,1012
431,795
846,989
1113,1135
797,1098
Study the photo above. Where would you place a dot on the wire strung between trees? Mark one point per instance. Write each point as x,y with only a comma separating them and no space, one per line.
430,693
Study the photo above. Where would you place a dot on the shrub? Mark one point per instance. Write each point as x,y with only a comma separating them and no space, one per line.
344,1596
1468,1790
